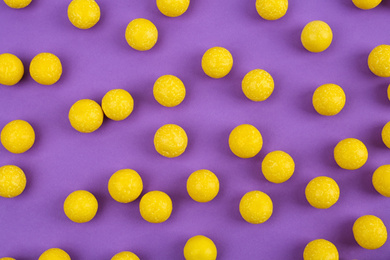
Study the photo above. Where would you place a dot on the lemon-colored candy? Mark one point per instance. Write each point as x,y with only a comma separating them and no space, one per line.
86,116
388,92
46,68
217,62
83,14
386,134
155,207
117,104
125,255
170,140
202,185
257,85
80,206
7,258
17,4
12,181
366,4
11,69
381,180
350,154
125,185
169,90
54,254
370,232
256,207
278,166
17,136
245,141
200,248
322,192
320,249
141,34
328,99
316,36
379,60
271,9
172,8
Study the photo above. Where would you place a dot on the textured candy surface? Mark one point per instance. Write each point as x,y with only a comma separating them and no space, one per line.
217,62
125,255
172,8
86,116
117,104
350,154
170,140
46,68
320,249
200,248
366,4
278,166
83,14
370,232
202,185
257,85
80,206
17,4
379,60
316,36
141,34
54,254
322,192
17,136
328,99
381,180
169,90
256,207
245,141
11,69
125,185
271,9
12,181
155,207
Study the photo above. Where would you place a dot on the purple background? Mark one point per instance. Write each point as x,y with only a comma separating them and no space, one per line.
99,59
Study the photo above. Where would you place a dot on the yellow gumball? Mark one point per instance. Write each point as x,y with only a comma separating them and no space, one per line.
141,34
117,104
320,249
379,60
11,69
257,85
83,14
172,8
80,206
322,192
316,36
125,185
86,116
12,181
350,154
366,4
202,185
328,99
370,232
386,134
170,140
256,207
245,141
125,255
217,62
278,166
271,9
17,136
7,258
54,254
46,68
169,90
17,4
155,207
381,180
200,248
388,92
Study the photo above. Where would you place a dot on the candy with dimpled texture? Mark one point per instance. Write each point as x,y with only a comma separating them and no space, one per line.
316,36
155,207
117,104
125,255
386,134
12,181
256,207
172,8
17,4
80,206
170,140
257,85
366,4
17,136
320,249
86,116
169,90
278,166
202,185
141,34
350,154
328,99
381,180
54,254
46,68
83,14
125,185
200,247
217,62
370,232
11,69
379,60
322,192
245,141
271,9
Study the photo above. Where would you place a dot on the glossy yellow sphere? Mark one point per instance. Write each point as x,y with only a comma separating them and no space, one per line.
381,180
257,85
200,248
386,134
117,104
278,166
17,136
141,34
328,99
155,207
271,9
256,207
170,140
54,254
217,62
125,255
202,185
320,249
366,4
370,232
350,154
125,185
245,141
11,69
322,192
46,68
12,181
169,90
83,14
316,36
17,4
80,206
86,116
379,60
172,8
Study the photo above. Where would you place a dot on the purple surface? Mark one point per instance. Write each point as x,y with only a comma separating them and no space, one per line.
99,59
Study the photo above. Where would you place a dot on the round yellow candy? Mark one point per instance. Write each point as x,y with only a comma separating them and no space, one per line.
256,207
386,134
7,258
12,181
271,9
17,4
46,68
202,185
117,104
170,140
388,92
141,34
379,60
86,116
11,69
83,14
169,90
370,232
257,85
278,166
328,99
322,192
54,254
366,4
172,8
125,185
350,154
316,36
200,248
125,255
245,141
80,206
217,62
155,207
17,136
381,180
320,249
